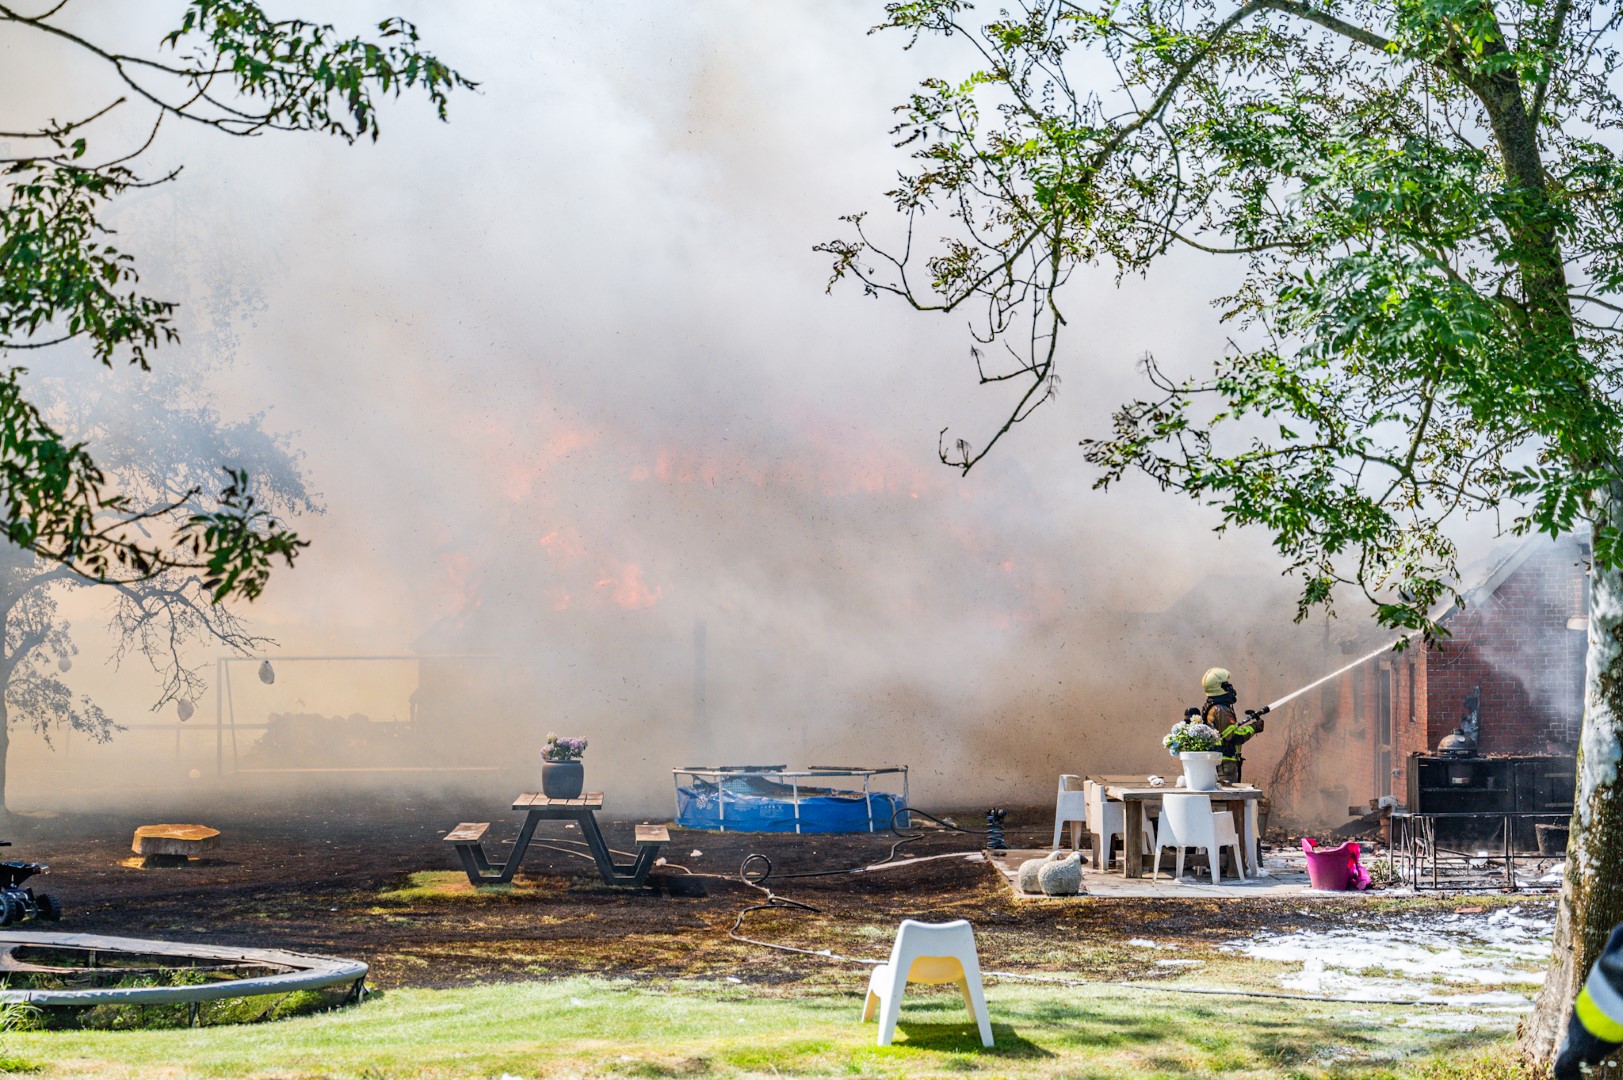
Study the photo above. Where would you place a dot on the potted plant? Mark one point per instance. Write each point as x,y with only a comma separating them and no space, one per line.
562,774
1200,750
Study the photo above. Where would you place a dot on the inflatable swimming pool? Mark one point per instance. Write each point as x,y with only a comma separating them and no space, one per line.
773,799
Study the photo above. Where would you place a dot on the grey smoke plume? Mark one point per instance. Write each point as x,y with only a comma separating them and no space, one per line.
569,384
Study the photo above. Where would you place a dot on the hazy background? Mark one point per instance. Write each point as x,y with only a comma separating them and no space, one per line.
569,385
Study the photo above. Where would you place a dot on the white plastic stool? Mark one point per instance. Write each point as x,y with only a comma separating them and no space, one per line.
927,953
1071,805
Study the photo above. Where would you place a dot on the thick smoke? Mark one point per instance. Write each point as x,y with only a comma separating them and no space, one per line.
570,387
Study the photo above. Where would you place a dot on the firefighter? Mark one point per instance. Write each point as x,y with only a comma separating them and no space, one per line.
1596,1026
1219,713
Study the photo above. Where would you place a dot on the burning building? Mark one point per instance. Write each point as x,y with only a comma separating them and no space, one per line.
1510,676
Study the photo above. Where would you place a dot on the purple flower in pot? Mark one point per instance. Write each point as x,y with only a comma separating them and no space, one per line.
562,774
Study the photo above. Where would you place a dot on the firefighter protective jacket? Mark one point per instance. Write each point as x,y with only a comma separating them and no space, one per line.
1596,1027
1230,731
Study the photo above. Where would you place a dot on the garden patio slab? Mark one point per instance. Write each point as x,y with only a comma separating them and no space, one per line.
1287,877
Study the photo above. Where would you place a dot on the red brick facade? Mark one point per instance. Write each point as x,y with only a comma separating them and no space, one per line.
1519,638
1524,645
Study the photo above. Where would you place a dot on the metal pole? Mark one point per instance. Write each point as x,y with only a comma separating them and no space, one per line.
231,708
1510,863
795,785
219,716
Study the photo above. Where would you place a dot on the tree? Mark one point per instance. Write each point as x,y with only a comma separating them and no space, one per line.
157,441
230,68
1421,202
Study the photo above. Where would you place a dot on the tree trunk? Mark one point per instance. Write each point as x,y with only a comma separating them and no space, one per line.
1592,894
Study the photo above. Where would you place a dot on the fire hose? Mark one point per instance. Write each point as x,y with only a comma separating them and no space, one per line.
774,901
763,869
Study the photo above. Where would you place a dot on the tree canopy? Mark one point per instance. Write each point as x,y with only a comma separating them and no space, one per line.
1421,203
155,441
65,281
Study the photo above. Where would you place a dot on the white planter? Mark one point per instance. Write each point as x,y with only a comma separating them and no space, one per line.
1200,769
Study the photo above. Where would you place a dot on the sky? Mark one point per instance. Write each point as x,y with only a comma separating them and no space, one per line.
566,377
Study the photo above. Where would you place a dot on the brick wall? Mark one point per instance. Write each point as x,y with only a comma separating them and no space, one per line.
1321,754
1517,646
1316,757
1413,730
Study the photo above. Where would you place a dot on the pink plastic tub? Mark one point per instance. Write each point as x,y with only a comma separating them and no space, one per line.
1335,869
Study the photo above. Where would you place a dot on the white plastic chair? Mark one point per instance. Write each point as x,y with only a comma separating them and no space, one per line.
1108,819
1188,820
1070,805
927,953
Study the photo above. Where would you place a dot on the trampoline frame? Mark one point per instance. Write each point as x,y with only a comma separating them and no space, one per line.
286,971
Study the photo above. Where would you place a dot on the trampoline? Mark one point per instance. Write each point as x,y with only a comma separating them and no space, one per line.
774,798
87,970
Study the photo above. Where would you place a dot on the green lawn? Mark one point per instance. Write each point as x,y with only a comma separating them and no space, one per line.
586,1027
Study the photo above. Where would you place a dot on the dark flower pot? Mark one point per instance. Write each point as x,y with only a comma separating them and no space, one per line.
562,779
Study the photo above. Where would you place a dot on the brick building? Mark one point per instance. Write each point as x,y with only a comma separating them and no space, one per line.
1518,645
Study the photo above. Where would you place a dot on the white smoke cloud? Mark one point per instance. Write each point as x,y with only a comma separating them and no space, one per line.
588,310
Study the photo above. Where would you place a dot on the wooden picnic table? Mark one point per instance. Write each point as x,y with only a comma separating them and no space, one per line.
468,839
1135,791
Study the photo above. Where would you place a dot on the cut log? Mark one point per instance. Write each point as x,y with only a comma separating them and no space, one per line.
183,840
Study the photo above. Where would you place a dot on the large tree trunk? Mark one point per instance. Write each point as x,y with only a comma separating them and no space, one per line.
1592,894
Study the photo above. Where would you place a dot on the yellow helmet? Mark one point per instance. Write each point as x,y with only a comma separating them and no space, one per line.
1212,682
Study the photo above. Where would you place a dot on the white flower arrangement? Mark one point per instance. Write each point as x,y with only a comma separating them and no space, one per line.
1187,738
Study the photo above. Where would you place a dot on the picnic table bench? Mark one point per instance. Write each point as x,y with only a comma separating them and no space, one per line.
468,840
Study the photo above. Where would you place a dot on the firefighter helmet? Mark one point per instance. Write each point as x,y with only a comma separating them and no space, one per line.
1212,682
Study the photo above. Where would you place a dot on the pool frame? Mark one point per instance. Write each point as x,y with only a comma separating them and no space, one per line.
715,774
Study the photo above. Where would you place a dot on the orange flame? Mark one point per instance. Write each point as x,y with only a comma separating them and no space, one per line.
628,590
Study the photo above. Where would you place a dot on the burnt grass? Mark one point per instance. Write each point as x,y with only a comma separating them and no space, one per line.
348,878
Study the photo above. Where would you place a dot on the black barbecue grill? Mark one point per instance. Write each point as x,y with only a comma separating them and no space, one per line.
1465,806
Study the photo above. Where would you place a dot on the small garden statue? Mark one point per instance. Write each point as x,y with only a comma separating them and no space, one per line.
1061,876
562,774
1026,880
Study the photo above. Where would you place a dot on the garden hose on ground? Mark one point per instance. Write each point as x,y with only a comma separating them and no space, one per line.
764,870
773,900
662,863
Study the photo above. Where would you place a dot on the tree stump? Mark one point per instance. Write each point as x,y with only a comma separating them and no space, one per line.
173,845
